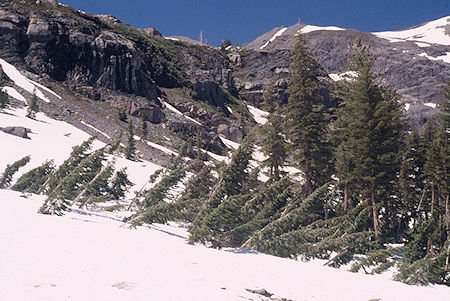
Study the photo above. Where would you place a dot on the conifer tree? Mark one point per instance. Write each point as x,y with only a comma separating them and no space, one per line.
368,155
73,185
120,184
305,120
33,106
130,148
274,145
34,179
78,153
10,170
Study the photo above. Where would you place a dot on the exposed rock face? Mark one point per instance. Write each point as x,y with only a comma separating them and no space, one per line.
152,32
208,139
18,131
101,52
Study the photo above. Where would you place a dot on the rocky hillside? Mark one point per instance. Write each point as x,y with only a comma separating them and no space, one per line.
415,61
100,66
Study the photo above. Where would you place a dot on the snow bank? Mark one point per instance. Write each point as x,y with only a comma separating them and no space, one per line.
431,32
260,116
50,139
276,35
445,57
310,28
348,75
85,254
175,110
22,81
14,94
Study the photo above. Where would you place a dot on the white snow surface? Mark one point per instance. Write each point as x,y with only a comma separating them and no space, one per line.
276,35
86,254
53,139
347,75
175,110
430,104
229,143
95,129
23,82
50,139
445,58
310,28
407,106
260,116
430,32
14,94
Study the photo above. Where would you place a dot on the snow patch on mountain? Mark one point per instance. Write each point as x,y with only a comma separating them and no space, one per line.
276,35
430,104
22,81
176,111
430,32
260,116
310,28
445,57
229,143
14,94
348,75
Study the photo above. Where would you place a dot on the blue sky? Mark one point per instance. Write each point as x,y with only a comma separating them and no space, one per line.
243,20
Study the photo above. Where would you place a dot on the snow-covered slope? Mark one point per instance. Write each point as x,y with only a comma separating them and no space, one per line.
89,256
434,32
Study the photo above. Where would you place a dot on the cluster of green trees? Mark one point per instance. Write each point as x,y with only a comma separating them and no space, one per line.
85,177
369,186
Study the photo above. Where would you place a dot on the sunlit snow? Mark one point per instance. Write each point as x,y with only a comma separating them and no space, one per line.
431,32
22,81
310,28
276,35
260,116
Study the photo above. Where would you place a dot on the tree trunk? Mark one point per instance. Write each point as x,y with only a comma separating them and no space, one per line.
345,197
447,216
374,209
432,198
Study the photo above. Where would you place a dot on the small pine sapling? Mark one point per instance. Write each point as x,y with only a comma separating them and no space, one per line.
33,106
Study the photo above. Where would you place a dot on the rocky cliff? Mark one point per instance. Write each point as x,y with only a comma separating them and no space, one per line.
99,59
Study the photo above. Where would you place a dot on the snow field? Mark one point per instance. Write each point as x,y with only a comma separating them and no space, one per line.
310,28
260,116
23,82
81,257
431,32
276,35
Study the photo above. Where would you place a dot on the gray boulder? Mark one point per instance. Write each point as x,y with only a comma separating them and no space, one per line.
18,131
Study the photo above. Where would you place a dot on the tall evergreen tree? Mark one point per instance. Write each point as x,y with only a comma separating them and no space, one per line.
33,106
305,119
368,154
274,145
130,150
10,170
